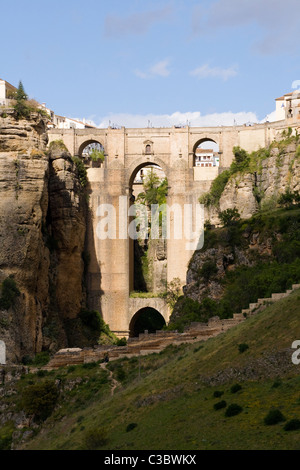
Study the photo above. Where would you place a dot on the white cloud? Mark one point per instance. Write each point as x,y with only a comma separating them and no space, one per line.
205,71
160,69
194,119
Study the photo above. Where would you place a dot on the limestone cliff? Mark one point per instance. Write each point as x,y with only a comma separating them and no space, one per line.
252,192
42,234
261,187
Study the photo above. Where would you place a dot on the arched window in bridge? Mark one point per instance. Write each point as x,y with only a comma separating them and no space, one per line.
206,153
148,149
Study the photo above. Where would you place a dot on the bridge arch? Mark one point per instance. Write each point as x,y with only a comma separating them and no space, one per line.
206,152
155,305
87,143
140,163
146,319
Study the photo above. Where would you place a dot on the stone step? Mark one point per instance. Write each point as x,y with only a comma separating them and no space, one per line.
279,296
238,316
253,306
295,286
245,311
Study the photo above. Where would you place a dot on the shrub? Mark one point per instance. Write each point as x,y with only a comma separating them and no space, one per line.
82,173
39,400
289,198
213,196
41,359
121,342
89,365
97,155
243,347
95,438
220,405
233,410
218,393
92,319
292,425
274,417
9,293
229,217
208,270
277,383
131,426
26,360
42,373
235,388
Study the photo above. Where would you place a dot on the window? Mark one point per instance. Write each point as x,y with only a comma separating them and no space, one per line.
148,149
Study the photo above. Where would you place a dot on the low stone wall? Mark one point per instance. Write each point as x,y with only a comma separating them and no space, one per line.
155,342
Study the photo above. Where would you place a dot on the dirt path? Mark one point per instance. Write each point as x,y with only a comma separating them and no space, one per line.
114,382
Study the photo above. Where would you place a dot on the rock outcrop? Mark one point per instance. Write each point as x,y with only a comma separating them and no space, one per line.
275,174
42,234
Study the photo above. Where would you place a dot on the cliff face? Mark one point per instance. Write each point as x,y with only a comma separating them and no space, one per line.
248,192
275,174
40,201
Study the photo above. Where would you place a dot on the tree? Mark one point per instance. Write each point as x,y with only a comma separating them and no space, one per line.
229,216
22,110
21,94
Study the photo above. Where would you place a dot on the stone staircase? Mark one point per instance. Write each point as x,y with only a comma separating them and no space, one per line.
156,342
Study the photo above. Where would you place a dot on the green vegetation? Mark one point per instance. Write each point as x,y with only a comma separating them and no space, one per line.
58,144
243,347
245,162
266,274
220,405
292,425
229,216
95,439
218,185
39,400
176,395
155,190
97,155
82,173
22,110
235,388
274,417
9,293
233,410
23,107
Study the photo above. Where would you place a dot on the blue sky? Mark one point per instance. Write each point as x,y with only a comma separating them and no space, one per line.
168,62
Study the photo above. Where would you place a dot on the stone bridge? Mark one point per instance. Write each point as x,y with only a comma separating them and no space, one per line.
110,277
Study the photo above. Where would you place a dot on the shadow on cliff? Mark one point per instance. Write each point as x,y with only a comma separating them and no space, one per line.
74,273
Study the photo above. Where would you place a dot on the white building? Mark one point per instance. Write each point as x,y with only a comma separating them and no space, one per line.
206,158
6,92
63,122
288,106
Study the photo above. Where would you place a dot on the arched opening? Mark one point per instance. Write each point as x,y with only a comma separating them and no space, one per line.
206,153
92,152
147,319
148,257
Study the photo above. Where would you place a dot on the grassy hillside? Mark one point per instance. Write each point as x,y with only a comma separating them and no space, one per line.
166,401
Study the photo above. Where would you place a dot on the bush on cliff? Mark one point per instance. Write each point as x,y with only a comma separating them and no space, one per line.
9,293
40,399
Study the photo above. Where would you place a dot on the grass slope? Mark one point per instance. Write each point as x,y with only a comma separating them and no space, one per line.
172,403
